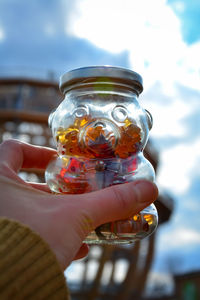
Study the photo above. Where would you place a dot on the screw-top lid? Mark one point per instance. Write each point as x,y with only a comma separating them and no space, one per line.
90,74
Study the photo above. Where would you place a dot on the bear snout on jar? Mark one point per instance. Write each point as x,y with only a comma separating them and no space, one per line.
100,137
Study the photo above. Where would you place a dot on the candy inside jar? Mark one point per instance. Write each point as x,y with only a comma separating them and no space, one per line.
100,131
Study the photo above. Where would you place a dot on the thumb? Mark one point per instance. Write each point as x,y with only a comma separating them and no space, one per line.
119,201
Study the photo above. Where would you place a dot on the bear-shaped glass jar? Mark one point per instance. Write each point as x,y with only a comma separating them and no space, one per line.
100,131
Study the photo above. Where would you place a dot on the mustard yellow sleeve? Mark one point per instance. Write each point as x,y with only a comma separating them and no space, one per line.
28,267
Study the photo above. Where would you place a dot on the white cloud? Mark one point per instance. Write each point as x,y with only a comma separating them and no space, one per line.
168,118
2,34
178,238
178,164
151,34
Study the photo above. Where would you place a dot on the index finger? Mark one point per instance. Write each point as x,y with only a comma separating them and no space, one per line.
17,155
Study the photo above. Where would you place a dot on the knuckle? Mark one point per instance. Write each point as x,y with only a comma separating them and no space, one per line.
121,198
4,169
10,143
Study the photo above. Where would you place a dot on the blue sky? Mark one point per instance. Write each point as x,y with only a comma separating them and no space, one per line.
189,14
160,39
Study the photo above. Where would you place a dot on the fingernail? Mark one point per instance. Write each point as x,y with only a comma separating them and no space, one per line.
146,191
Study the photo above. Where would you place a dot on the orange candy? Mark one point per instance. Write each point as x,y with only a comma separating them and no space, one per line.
129,137
94,133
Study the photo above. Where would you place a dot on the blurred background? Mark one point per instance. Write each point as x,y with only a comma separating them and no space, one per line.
160,39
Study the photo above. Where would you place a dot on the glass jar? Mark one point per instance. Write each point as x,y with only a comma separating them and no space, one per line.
100,131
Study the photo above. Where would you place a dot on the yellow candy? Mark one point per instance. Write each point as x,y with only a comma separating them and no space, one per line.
136,217
149,219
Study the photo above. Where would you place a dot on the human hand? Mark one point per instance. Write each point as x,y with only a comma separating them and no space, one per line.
63,221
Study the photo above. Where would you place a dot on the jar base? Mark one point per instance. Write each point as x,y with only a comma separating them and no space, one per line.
125,231
128,239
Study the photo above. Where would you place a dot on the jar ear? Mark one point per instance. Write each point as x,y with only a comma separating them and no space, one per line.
149,119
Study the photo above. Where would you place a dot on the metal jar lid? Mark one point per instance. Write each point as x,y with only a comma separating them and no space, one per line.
90,74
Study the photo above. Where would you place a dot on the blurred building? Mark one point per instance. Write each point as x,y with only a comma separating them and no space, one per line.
187,286
24,108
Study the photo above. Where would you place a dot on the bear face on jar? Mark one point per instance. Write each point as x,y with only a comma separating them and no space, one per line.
100,122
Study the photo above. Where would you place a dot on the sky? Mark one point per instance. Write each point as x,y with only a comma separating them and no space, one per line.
160,39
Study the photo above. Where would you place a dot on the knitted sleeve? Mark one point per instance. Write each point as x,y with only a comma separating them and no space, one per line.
28,267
